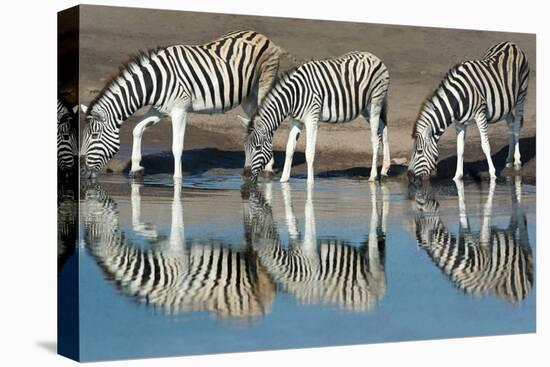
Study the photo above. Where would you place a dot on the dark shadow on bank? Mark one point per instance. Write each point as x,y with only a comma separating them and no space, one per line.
446,167
198,161
395,170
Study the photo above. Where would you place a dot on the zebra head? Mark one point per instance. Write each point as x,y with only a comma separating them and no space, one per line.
258,151
424,154
101,141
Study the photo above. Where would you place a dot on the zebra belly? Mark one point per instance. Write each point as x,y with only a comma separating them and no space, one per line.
200,107
325,116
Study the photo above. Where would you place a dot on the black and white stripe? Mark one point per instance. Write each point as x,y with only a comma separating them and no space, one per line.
67,146
482,91
237,69
493,261
319,271
334,90
176,275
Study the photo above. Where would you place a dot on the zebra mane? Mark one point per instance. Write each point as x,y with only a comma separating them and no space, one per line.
139,59
283,77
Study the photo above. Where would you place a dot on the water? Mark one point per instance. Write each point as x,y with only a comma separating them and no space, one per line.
213,268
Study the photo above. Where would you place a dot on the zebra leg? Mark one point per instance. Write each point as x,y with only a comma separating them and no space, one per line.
511,140
518,123
386,146
481,122
293,135
311,135
149,119
179,116
374,119
460,136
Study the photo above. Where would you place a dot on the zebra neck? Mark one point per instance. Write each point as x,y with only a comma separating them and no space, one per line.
434,120
115,109
277,105
131,90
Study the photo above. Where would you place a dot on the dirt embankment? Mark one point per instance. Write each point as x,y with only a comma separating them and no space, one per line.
417,59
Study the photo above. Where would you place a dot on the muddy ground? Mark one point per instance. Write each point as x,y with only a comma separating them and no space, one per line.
417,59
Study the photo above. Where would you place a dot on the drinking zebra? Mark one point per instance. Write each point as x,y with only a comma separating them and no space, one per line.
67,147
175,274
333,90
492,261
236,69
326,271
482,91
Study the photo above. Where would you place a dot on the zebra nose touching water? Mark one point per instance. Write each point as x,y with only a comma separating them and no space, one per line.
236,69
483,91
334,90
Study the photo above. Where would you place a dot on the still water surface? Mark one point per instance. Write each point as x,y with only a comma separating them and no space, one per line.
213,267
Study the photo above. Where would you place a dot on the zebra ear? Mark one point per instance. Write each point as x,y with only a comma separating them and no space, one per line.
75,109
83,108
244,121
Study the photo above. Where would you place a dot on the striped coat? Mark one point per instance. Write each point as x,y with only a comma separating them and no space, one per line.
333,90
483,91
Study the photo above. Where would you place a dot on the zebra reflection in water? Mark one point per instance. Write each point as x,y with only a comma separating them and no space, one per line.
175,274
492,261
321,271
67,224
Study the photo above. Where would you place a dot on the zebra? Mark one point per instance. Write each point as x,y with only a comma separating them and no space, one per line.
494,261
236,69
483,91
324,271
332,90
67,146
173,274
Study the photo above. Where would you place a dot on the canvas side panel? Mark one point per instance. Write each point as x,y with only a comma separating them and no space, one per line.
67,184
